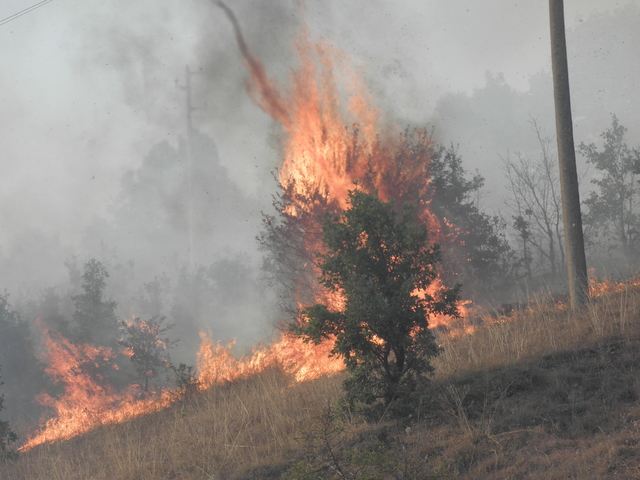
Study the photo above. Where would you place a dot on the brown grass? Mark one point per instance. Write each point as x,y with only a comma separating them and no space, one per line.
239,427
544,329
546,394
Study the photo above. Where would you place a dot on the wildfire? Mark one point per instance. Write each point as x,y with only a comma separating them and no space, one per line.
334,137
303,361
606,286
333,132
87,401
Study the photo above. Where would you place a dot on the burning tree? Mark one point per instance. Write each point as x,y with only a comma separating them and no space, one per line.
379,262
407,167
147,349
290,239
334,135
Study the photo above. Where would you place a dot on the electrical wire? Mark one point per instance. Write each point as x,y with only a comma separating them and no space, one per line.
24,12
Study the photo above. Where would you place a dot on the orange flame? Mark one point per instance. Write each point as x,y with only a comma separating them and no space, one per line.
86,403
323,158
303,361
606,286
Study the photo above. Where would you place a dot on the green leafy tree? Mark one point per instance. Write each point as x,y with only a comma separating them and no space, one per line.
147,346
7,436
379,261
95,318
480,255
612,208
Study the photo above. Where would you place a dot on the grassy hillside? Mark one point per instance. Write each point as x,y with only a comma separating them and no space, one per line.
544,394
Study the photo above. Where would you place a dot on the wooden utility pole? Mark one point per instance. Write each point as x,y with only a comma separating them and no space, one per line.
574,240
190,203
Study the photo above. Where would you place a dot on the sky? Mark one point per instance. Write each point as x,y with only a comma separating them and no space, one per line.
88,87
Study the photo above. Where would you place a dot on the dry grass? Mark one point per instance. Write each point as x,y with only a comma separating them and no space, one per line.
543,329
545,394
239,427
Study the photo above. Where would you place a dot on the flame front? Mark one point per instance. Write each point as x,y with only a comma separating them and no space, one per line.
86,402
302,361
334,134
334,139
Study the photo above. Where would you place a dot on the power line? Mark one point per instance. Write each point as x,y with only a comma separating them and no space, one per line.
24,12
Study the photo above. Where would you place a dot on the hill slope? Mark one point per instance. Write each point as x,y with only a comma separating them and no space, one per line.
542,394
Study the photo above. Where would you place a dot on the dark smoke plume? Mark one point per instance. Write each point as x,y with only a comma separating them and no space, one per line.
275,106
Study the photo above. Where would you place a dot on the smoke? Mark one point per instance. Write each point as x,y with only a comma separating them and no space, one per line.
267,92
125,190
94,127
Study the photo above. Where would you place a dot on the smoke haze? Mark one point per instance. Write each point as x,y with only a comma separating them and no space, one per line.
89,87
94,127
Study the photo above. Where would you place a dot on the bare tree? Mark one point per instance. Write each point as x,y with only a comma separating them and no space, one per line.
536,204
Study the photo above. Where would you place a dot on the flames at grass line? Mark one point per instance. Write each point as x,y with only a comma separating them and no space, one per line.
88,402
334,136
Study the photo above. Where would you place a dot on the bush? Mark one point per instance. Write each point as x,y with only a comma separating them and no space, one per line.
379,262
